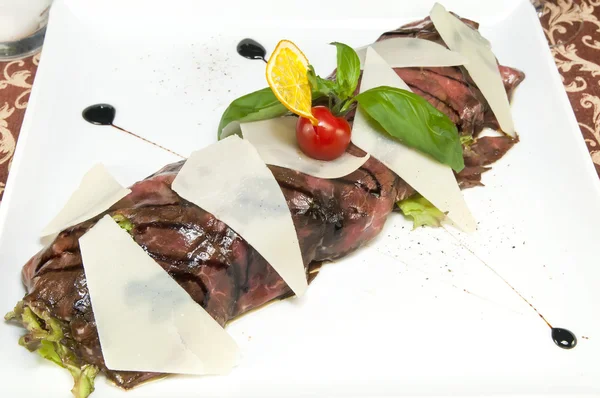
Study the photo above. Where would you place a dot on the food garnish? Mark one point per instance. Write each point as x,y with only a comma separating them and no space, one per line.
402,114
328,139
431,178
245,195
408,52
145,319
287,77
258,105
45,336
97,191
275,140
422,212
414,122
481,62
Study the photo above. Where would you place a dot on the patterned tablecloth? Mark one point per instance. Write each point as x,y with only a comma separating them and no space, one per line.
572,28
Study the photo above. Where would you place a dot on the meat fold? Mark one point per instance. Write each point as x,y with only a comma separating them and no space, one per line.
450,89
215,265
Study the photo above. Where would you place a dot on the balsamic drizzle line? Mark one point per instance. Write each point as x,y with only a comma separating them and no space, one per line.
104,115
561,337
499,276
430,277
148,141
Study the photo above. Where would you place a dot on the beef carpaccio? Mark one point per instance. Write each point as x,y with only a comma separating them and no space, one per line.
215,265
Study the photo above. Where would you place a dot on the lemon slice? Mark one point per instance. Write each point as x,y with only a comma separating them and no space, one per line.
287,76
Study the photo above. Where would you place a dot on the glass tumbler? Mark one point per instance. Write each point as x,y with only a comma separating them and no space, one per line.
22,27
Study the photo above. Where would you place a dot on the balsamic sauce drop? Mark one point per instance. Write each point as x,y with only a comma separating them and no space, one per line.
100,114
104,115
251,49
564,338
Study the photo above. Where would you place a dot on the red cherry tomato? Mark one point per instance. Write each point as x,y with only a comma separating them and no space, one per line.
327,140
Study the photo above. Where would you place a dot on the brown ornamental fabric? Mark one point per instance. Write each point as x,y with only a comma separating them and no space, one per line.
572,28
16,78
573,31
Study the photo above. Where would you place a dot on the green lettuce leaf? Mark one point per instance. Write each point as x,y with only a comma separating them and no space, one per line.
123,222
415,122
422,212
44,336
84,379
467,140
47,351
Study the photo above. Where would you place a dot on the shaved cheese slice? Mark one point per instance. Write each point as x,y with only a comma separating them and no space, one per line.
146,321
405,52
97,192
230,180
275,141
432,179
482,64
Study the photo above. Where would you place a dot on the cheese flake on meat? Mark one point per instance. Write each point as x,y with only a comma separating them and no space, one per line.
97,192
147,322
275,141
432,179
481,62
405,52
230,180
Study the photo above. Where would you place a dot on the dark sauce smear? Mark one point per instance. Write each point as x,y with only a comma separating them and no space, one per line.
564,338
104,115
251,49
100,114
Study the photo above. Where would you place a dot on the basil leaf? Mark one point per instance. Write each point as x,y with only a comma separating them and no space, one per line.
320,87
259,105
415,122
311,75
348,70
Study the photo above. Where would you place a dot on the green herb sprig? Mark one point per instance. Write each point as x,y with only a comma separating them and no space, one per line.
407,117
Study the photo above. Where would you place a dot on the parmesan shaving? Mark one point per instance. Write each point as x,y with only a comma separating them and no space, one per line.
275,141
405,52
97,192
230,180
432,179
147,322
482,64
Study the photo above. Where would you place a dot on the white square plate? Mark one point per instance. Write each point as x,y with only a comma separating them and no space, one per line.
414,312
